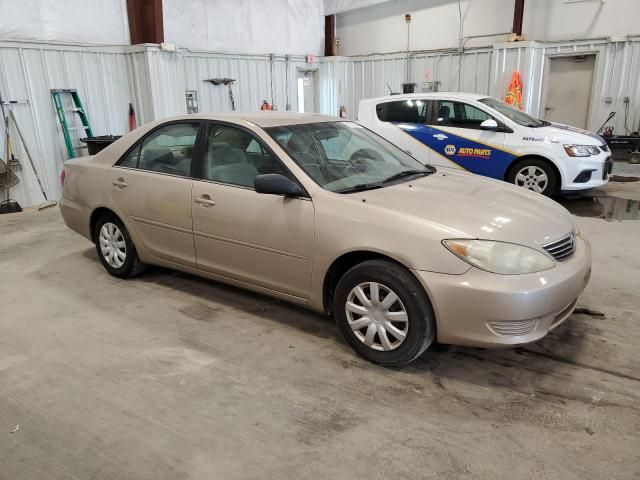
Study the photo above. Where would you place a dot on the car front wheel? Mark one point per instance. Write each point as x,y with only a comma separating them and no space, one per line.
534,174
383,313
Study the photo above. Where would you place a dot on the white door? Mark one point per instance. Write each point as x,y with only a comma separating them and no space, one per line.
569,89
307,91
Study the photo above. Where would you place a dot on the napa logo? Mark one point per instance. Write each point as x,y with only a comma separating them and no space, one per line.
450,150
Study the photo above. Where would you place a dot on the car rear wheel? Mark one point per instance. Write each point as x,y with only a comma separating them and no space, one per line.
534,174
383,313
115,248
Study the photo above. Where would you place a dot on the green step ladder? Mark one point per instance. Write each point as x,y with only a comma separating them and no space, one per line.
78,108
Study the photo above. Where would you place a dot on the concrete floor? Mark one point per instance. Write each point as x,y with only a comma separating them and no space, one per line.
172,377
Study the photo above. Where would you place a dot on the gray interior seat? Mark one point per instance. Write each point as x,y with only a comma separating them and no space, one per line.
236,174
163,160
223,154
229,165
444,113
152,158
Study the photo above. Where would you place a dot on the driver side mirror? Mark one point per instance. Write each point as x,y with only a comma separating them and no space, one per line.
276,184
489,124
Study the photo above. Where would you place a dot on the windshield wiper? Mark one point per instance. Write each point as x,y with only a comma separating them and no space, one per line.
406,173
360,187
543,123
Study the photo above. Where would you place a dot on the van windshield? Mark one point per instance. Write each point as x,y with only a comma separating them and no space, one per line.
514,114
344,157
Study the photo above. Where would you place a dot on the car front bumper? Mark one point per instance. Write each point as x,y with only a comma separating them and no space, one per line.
482,309
596,170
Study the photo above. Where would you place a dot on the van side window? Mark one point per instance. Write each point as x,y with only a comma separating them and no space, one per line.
406,111
458,114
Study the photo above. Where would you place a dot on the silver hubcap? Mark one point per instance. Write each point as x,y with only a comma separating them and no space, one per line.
376,316
532,178
112,245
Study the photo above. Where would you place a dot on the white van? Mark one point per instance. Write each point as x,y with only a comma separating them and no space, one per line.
488,137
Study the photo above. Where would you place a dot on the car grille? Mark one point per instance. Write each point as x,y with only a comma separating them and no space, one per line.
514,328
604,148
563,248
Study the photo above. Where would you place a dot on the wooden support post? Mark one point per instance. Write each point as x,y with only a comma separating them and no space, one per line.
518,14
329,35
145,21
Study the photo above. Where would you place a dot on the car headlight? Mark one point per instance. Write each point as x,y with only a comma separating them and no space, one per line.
499,257
581,150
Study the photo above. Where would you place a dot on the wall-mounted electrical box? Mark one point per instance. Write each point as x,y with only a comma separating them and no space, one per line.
433,86
191,97
408,88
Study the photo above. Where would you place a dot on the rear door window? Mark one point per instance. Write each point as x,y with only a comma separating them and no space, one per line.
405,111
168,150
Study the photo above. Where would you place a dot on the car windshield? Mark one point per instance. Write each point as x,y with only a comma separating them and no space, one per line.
514,114
345,157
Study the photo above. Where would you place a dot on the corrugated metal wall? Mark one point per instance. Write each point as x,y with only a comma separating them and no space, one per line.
28,71
258,78
617,75
347,80
108,79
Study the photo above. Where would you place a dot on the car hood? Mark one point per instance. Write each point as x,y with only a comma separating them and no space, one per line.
481,208
557,132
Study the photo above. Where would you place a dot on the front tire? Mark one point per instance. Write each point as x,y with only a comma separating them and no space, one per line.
115,248
534,174
383,313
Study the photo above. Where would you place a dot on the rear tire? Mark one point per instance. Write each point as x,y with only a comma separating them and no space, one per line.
534,174
383,313
115,249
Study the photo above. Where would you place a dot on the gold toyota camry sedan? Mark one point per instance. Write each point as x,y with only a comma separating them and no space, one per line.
325,213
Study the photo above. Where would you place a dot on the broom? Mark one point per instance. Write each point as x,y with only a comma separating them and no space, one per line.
47,203
8,205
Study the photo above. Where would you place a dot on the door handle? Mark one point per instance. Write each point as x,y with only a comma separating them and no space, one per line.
120,183
204,200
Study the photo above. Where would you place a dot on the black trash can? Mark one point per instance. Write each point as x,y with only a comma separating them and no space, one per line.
96,144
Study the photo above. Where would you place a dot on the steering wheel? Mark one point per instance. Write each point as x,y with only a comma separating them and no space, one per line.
360,159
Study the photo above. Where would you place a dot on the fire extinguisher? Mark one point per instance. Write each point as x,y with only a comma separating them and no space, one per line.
343,111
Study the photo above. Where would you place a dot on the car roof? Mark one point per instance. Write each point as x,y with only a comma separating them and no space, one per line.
263,118
434,95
